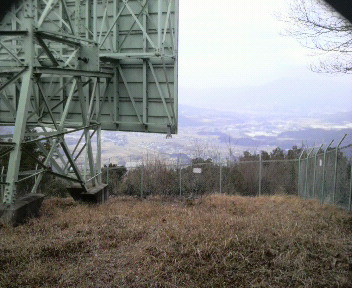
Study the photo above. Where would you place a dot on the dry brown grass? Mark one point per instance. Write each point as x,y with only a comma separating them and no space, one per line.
217,241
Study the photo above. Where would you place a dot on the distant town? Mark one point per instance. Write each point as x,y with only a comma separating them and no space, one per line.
221,134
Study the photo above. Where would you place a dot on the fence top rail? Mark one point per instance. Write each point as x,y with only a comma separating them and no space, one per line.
215,164
345,147
267,161
333,150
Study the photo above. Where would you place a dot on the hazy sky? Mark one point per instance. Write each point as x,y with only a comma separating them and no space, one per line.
235,43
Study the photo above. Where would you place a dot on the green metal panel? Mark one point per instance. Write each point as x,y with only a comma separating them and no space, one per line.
111,34
86,65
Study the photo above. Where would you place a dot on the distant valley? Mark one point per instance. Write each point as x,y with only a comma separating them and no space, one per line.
214,133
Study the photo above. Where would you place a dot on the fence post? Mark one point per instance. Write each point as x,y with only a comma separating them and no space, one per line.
36,177
2,185
335,175
142,171
315,169
107,172
180,180
324,173
350,200
220,180
299,173
260,175
85,165
306,184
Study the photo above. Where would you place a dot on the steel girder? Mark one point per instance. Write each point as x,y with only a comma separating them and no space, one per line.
83,66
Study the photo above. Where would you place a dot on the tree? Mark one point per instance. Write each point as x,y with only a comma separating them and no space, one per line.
294,153
277,154
319,27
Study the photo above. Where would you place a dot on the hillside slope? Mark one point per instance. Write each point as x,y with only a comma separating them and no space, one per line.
217,241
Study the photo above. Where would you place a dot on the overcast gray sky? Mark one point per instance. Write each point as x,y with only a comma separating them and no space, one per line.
236,43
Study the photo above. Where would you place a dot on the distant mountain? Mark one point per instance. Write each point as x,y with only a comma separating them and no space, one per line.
306,137
315,136
285,140
270,130
300,96
190,116
339,117
188,121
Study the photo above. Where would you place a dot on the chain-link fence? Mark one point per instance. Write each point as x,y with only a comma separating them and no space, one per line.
247,178
322,172
325,173
50,185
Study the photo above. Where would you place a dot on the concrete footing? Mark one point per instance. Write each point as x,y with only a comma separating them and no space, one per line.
23,208
95,195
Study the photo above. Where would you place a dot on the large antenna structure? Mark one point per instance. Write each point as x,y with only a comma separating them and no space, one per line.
83,66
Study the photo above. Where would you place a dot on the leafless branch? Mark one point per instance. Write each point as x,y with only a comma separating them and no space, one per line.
317,26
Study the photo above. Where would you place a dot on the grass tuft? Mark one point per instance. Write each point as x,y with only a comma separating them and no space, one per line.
215,241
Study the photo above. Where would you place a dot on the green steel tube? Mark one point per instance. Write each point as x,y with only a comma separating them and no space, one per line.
1,185
315,169
306,184
260,175
336,162
324,173
15,155
220,177
180,181
299,173
350,200
107,172
142,182
98,170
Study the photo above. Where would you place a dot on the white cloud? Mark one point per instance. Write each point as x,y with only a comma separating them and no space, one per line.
226,43
235,43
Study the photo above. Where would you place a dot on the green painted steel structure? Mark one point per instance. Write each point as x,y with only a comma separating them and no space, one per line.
88,66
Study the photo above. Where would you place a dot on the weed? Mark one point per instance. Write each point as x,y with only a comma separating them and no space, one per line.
215,241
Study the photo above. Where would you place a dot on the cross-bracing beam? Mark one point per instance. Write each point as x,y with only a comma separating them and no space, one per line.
72,66
28,94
